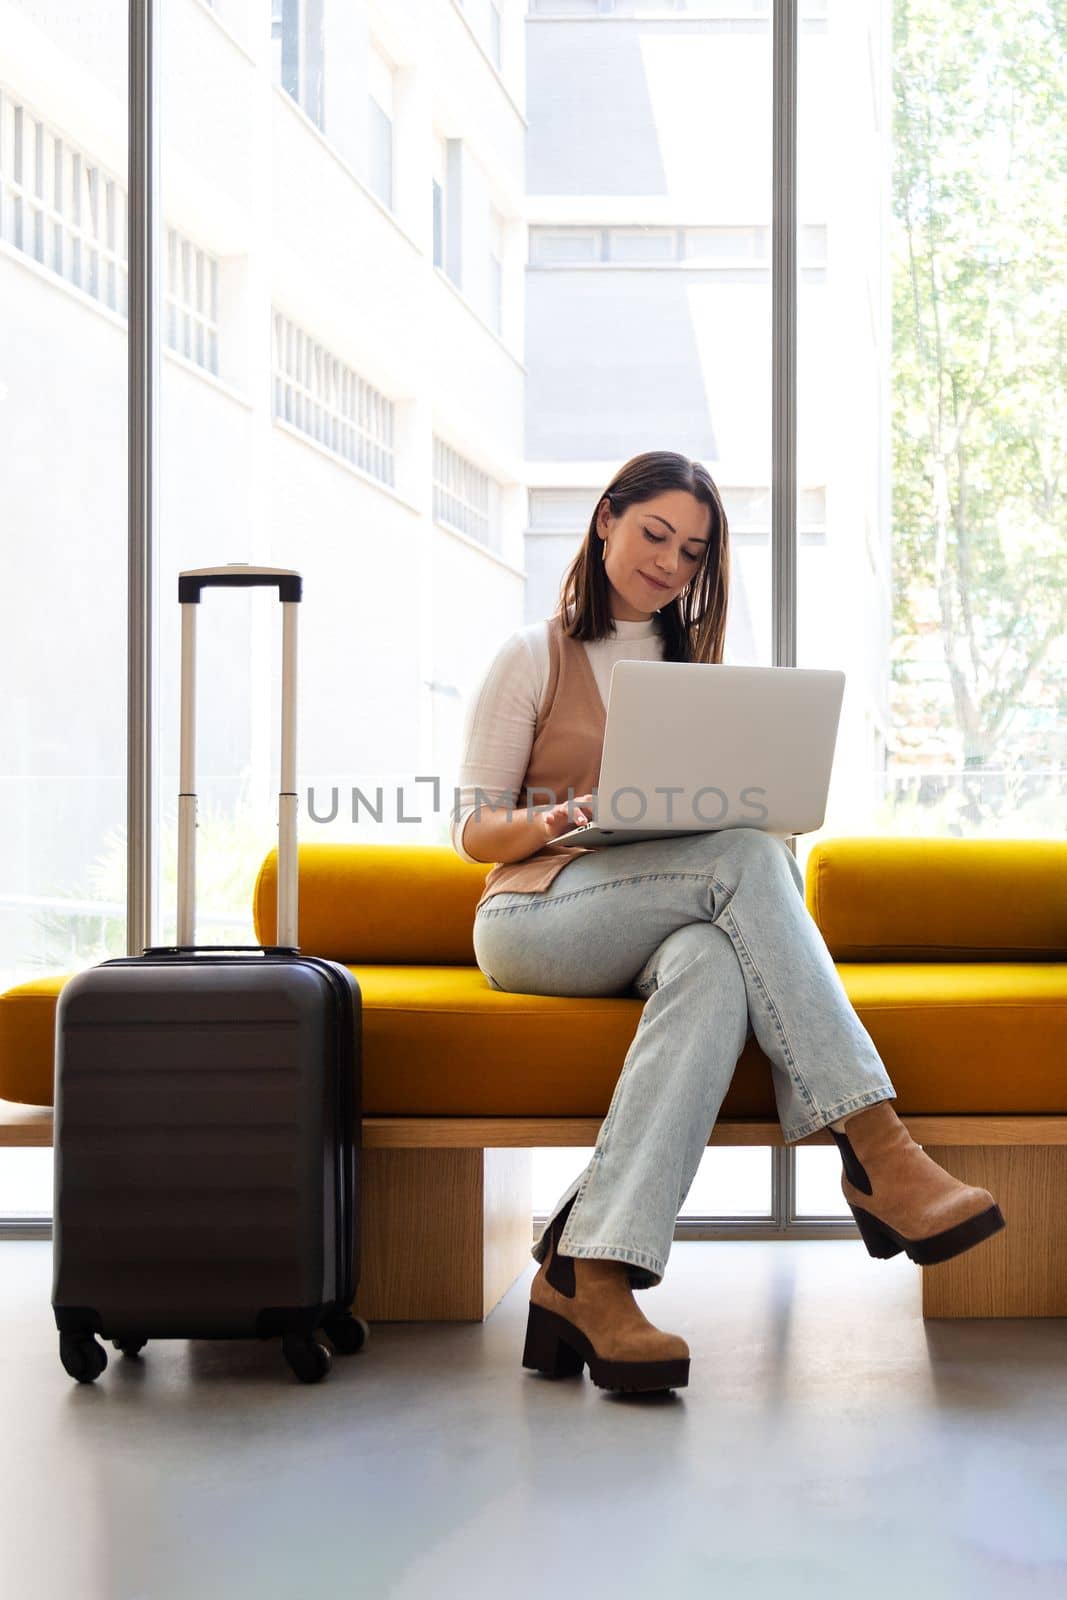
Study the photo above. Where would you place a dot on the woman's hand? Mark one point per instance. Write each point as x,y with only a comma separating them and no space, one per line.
558,820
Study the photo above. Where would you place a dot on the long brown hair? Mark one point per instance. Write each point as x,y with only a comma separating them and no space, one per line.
693,625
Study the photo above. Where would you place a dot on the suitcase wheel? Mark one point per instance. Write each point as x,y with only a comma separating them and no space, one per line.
82,1357
309,1359
131,1344
346,1333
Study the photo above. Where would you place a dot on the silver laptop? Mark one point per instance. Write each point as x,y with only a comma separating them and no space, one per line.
696,747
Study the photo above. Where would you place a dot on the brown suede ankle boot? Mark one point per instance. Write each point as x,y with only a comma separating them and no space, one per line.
901,1199
583,1310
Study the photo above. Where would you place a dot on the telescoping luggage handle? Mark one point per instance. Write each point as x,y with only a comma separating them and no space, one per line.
290,587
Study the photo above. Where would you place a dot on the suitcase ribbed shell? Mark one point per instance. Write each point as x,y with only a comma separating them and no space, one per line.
206,1138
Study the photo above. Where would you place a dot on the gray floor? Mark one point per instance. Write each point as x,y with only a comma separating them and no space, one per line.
829,1444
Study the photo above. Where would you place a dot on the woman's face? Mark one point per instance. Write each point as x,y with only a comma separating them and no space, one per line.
661,539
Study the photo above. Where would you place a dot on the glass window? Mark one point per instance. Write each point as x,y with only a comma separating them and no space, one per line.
713,245
924,386
329,403
496,270
940,586
549,246
496,291
438,224
318,393
440,189
464,496
642,244
621,362
298,52
495,35
380,161
63,408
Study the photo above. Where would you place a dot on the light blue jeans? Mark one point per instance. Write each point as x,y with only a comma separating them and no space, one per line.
712,930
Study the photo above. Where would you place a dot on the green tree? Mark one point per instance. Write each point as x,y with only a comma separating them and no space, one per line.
980,337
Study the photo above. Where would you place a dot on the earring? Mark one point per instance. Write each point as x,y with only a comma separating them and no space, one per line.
604,549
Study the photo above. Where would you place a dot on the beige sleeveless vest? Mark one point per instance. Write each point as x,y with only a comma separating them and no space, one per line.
567,747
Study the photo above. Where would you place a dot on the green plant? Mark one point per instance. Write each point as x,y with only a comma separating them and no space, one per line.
231,842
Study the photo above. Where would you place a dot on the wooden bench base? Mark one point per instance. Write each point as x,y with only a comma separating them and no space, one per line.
445,1233
416,1269
1021,1271
446,1220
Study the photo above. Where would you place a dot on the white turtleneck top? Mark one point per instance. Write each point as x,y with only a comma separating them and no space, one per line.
502,711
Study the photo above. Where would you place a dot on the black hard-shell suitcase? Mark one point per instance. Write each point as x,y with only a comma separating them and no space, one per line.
208,1114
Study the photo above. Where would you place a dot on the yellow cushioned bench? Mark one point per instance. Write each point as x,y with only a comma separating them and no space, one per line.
954,953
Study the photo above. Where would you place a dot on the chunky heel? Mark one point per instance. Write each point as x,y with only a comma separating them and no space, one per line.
883,1241
879,1242
943,1246
546,1350
898,1195
581,1308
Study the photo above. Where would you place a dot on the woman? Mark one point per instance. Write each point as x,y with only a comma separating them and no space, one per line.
710,929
